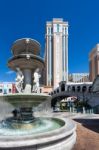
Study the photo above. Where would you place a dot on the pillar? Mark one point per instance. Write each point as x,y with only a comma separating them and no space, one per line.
27,80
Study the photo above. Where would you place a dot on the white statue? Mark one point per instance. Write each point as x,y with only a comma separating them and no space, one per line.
36,81
19,80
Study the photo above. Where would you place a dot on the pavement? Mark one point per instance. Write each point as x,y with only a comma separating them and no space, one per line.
87,130
87,134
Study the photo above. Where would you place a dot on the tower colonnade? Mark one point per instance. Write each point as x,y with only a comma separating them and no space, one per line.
56,52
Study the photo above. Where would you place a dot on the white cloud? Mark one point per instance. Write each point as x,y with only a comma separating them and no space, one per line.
9,72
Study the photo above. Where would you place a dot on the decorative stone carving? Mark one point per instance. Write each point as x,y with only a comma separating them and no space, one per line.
36,81
19,80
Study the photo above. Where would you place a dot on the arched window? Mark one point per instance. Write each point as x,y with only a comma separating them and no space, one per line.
84,88
63,87
78,88
51,93
68,88
73,89
9,90
89,89
57,90
54,92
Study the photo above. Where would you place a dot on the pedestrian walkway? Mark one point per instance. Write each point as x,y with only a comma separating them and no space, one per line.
87,130
87,134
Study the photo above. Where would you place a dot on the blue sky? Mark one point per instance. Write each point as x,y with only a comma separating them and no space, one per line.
27,18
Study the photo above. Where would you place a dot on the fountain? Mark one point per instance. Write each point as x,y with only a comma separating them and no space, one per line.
24,131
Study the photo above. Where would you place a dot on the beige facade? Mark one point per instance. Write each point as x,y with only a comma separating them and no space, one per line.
7,88
94,62
78,77
56,52
46,89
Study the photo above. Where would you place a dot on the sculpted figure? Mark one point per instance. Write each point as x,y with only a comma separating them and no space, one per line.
19,80
36,81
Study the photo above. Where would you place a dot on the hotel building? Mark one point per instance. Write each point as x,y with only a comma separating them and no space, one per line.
94,62
79,77
7,88
56,57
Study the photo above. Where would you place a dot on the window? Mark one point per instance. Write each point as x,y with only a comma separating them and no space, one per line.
0,90
63,87
54,92
49,30
9,90
69,89
57,90
57,27
78,88
40,90
73,89
84,88
90,88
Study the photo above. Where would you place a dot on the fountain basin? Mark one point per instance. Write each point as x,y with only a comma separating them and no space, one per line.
22,61
25,100
23,45
61,138
37,126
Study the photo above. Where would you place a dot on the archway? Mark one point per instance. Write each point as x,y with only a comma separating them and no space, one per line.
57,90
73,89
78,88
90,89
84,89
69,88
63,87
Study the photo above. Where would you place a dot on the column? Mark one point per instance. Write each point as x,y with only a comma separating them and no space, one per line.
66,53
27,80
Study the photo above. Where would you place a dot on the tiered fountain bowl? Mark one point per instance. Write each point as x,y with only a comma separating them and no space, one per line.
24,131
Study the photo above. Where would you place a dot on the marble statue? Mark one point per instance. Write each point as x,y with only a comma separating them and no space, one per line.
36,81
19,80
